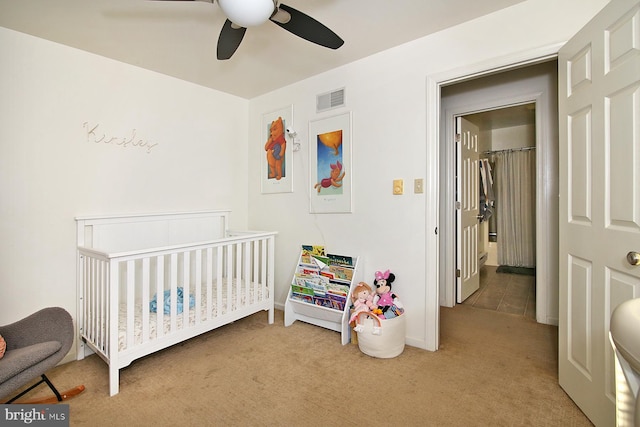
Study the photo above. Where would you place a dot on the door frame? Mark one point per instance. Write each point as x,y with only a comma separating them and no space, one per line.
448,279
434,219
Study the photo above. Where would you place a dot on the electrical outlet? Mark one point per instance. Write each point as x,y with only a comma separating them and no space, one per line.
398,186
418,185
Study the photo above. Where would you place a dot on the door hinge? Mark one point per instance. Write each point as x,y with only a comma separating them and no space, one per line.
458,136
457,272
458,205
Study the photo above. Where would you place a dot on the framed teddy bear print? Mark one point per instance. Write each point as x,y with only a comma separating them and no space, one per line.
276,155
330,164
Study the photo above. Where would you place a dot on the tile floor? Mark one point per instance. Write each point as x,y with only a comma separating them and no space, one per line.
508,293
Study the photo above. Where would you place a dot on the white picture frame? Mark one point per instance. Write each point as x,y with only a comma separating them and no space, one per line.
276,154
330,164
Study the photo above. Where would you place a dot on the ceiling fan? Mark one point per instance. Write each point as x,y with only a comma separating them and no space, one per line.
250,13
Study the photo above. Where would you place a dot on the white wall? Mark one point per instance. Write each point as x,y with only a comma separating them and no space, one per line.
52,170
513,137
386,94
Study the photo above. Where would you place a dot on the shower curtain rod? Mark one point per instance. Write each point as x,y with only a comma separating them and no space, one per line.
509,150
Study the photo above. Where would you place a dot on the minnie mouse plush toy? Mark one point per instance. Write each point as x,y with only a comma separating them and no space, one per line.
388,304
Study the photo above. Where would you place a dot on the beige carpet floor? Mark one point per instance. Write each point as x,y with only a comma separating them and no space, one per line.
492,369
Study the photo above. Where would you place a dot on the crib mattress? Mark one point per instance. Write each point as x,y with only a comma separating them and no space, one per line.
255,295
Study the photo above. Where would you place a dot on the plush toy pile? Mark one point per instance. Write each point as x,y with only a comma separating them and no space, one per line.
381,304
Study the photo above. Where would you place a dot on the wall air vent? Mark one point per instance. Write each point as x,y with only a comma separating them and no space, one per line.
329,100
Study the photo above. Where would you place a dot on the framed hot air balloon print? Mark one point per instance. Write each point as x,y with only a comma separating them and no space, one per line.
330,164
275,153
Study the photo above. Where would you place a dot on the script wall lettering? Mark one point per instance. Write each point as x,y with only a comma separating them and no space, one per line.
96,135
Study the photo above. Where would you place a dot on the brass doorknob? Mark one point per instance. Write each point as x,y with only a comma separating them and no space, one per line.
634,258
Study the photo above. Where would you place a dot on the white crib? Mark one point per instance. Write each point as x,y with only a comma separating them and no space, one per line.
128,262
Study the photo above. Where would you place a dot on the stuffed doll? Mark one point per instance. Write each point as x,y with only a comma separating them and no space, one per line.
388,304
362,298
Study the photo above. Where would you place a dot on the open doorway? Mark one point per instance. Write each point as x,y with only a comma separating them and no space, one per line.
531,91
503,218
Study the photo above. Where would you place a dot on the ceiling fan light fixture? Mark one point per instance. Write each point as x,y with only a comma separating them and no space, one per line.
247,13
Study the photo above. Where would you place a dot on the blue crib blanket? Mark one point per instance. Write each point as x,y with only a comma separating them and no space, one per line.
153,305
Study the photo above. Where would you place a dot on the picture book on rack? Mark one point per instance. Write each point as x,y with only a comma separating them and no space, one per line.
345,261
322,279
310,251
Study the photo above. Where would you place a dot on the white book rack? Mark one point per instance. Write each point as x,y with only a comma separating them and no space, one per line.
326,317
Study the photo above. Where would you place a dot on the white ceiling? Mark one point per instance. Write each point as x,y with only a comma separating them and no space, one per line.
178,38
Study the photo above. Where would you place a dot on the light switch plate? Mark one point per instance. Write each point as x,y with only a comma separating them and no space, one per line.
398,186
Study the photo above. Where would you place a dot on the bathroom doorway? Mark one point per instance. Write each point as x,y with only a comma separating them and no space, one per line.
519,101
505,211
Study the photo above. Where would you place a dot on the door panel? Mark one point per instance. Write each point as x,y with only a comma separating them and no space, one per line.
599,103
469,199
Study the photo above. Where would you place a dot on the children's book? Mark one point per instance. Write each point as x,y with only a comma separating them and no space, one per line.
311,250
301,290
345,261
337,301
302,297
341,273
338,288
323,301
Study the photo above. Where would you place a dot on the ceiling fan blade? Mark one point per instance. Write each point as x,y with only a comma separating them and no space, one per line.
304,26
229,40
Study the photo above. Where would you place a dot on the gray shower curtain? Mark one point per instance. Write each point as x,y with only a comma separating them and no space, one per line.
515,192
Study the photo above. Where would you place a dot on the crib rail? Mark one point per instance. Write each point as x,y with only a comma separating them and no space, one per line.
223,280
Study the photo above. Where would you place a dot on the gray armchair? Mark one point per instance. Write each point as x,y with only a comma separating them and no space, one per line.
35,344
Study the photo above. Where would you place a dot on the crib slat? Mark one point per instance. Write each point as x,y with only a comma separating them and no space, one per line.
186,294
173,275
209,313
113,297
219,282
247,268
159,296
131,301
98,328
254,276
229,277
103,324
87,276
269,281
263,272
238,274
94,300
198,285
88,297
101,301
145,299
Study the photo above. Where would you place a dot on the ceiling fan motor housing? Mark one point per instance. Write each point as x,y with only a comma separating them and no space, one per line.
247,13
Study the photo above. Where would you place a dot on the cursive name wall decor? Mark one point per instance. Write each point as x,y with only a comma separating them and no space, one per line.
96,136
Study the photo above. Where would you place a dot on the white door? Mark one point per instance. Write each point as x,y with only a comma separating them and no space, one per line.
599,105
468,280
